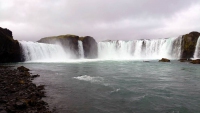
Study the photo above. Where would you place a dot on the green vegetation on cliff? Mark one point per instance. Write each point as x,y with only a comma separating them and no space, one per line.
53,39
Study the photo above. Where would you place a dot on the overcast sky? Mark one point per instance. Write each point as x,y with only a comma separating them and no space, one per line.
101,19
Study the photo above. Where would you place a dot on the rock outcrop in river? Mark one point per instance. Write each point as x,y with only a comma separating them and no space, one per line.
70,43
164,60
196,61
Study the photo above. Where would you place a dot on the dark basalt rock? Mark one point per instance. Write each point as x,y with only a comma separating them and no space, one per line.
9,48
69,42
196,61
18,94
189,42
164,60
20,105
90,47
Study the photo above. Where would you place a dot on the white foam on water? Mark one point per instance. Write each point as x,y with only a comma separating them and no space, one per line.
89,78
116,90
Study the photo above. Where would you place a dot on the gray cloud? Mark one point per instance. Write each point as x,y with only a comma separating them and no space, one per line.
102,19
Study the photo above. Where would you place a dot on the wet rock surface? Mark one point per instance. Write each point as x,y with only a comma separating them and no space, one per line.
196,61
164,60
18,94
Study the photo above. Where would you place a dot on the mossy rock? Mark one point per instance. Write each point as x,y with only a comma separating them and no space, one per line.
81,38
52,39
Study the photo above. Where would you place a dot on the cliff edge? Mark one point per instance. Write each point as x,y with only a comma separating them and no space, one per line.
9,48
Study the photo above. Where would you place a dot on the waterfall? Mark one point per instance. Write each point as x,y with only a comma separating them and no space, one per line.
176,47
33,51
108,50
80,48
140,49
114,49
197,49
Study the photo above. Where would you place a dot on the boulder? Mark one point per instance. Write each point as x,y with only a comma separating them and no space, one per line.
196,61
68,42
164,60
90,47
9,48
188,44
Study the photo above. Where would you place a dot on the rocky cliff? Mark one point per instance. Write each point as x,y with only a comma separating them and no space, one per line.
188,43
90,47
70,42
9,48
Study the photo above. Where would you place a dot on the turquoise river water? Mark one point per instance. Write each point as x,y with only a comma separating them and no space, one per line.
120,86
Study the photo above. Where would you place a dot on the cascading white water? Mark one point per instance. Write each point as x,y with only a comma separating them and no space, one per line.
111,50
80,48
176,47
197,49
155,49
114,49
162,48
41,52
140,49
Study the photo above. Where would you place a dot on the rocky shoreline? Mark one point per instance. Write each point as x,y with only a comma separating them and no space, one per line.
18,94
